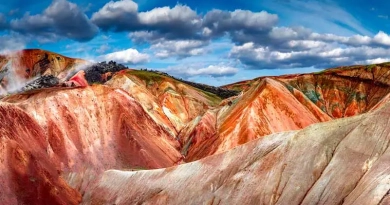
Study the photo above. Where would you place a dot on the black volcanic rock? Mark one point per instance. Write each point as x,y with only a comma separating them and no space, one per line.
45,81
93,74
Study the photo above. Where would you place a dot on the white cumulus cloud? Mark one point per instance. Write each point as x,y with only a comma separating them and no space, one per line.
210,70
129,56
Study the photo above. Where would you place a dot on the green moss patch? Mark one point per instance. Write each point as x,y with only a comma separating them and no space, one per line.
148,77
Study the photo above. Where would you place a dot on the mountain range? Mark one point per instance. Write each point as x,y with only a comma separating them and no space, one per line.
74,131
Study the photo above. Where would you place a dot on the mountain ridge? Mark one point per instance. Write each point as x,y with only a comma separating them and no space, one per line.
109,117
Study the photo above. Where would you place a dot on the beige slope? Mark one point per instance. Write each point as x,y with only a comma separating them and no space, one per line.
341,161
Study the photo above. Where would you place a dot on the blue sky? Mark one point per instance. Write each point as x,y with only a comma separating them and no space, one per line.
214,42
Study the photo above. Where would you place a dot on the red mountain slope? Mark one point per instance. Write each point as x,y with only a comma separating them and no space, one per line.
100,128
80,131
28,174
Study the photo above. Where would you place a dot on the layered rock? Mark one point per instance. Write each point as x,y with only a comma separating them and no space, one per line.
344,92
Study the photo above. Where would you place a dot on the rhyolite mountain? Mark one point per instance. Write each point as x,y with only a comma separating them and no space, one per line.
75,132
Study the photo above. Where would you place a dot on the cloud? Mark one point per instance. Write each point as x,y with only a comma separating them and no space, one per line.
179,19
215,71
129,56
60,19
374,61
182,32
171,32
11,42
181,22
259,28
118,15
145,36
280,37
382,38
285,47
255,37
103,48
177,22
260,57
259,42
178,30
179,48
217,22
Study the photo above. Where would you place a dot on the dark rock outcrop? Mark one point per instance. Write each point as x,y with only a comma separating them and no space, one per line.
45,81
101,72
